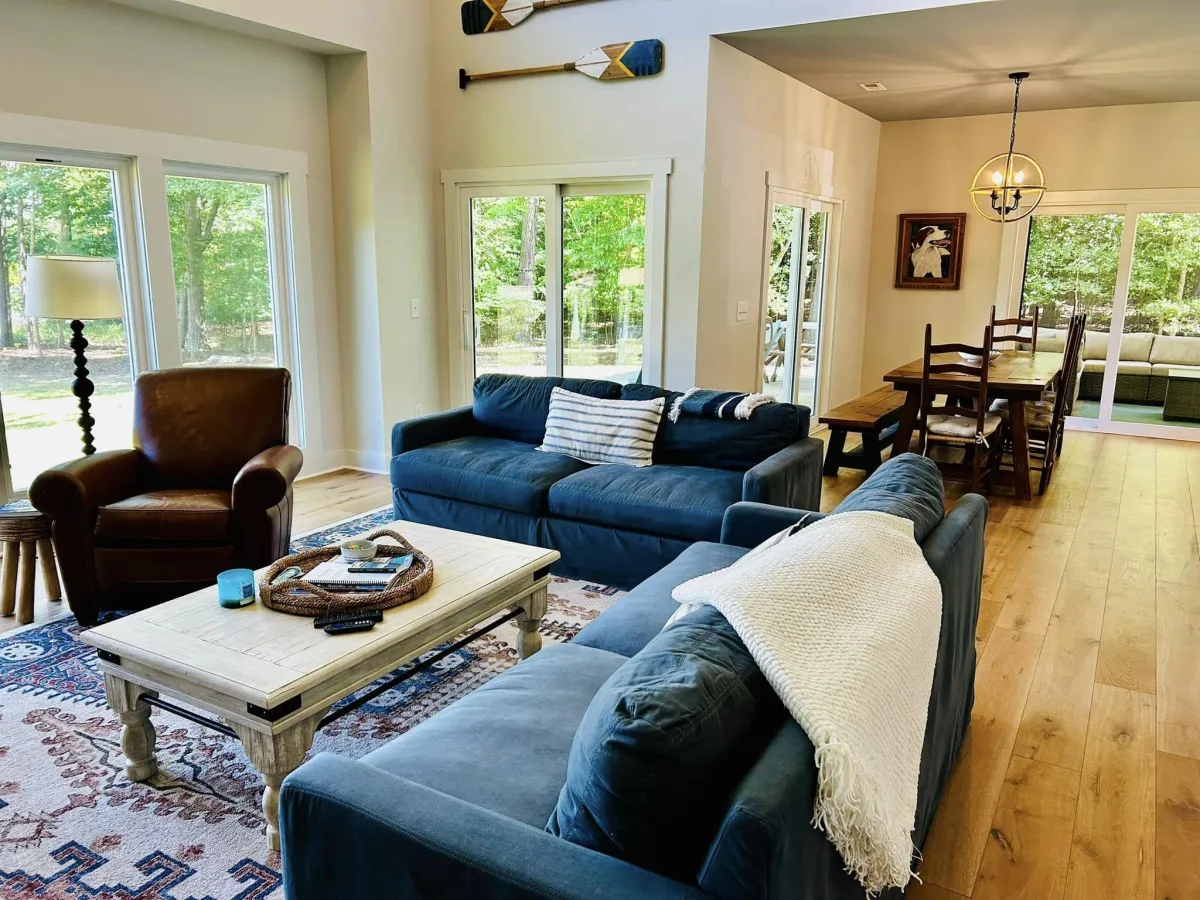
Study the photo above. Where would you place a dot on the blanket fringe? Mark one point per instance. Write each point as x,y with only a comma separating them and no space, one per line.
750,403
677,406
850,813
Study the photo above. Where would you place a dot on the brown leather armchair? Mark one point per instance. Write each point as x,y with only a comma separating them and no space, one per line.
207,487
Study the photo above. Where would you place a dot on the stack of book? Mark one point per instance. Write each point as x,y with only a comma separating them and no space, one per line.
355,577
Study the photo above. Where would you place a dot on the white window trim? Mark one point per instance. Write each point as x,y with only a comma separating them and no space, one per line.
829,305
459,185
149,155
1130,204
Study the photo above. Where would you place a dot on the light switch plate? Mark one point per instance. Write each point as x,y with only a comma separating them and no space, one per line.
743,311
419,409
414,308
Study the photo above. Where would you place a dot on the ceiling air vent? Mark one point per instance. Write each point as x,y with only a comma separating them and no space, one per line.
873,87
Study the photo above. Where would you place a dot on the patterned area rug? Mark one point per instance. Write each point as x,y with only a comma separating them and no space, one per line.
71,824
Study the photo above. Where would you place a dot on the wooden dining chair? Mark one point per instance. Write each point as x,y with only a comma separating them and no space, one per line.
978,432
1027,341
1046,426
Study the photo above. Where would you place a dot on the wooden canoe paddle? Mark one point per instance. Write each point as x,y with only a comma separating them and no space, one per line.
486,16
635,59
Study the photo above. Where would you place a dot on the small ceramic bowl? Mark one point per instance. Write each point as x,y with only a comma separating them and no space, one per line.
358,549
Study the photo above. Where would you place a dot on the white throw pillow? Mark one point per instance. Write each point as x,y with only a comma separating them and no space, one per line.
602,432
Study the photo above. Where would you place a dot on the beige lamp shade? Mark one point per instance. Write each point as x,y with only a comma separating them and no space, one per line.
72,287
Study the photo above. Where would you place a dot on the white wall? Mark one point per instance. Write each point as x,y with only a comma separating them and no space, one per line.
927,166
761,121
96,63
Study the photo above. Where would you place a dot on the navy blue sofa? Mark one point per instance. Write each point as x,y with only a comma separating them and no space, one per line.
477,469
457,808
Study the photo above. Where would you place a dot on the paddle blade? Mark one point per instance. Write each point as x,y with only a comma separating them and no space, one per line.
636,59
483,16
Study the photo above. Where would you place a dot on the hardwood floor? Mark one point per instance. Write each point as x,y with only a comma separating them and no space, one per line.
1080,775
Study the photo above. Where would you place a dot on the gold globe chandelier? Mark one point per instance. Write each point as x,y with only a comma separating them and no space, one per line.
1009,186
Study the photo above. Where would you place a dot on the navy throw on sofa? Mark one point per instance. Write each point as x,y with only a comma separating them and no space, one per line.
477,469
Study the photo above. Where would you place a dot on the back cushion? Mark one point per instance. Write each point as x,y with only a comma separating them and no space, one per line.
1136,347
909,486
1095,345
662,746
736,445
516,406
197,427
1052,340
1178,351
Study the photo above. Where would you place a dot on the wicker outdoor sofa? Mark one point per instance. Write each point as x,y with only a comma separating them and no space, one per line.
1146,361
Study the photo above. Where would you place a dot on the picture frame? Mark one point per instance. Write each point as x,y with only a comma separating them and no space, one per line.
929,251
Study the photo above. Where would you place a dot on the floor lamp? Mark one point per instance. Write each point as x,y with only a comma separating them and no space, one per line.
75,288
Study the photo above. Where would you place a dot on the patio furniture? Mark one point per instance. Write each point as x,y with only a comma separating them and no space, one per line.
25,533
1182,403
875,417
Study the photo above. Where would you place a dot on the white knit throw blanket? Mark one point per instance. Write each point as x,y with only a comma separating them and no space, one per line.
844,619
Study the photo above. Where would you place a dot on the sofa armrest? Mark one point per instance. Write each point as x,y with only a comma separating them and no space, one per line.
355,832
792,477
264,481
749,524
414,434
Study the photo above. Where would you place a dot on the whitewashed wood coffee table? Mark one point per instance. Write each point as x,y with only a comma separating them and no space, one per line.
272,677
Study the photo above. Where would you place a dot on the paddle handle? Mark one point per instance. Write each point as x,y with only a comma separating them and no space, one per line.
550,4
465,79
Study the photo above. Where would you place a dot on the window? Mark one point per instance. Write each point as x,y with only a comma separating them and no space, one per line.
222,262
56,210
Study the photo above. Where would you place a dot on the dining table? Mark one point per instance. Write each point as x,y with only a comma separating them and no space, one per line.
1014,375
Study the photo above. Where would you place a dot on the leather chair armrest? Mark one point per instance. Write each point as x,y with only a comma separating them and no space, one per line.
82,486
265,480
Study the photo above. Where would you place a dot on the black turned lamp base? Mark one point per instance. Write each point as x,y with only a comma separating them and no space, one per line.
82,386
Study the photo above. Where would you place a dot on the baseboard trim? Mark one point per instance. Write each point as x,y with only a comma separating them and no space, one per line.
340,460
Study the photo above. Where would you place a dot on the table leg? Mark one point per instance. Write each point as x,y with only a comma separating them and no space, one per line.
8,589
28,569
45,549
872,458
276,756
908,421
529,639
137,731
1020,448
833,454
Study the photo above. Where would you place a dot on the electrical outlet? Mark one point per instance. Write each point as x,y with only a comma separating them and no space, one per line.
419,409
743,311
414,308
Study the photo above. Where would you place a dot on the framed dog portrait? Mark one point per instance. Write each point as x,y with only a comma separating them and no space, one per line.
929,251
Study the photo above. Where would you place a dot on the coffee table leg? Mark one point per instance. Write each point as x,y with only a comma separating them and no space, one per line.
276,756
137,732
529,640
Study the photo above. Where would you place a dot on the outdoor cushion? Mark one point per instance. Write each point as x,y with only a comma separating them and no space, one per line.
1136,347
516,406
1095,344
909,486
676,501
484,470
734,444
633,620
662,745
171,515
1052,340
1164,369
504,746
1175,349
1124,367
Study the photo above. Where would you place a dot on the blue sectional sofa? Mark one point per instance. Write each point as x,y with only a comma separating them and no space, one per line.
461,807
477,469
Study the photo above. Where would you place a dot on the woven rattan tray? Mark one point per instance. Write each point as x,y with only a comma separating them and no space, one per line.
298,597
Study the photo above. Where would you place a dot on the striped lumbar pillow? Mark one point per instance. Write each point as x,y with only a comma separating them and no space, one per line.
618,432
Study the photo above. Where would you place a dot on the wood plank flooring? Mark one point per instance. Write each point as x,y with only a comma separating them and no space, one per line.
1080,775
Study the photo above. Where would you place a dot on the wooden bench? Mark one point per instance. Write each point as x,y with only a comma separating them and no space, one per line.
875,417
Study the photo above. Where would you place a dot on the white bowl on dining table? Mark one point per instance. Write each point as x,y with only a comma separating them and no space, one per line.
972,358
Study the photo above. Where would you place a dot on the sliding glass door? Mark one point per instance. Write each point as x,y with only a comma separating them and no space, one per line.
557,278
794,302
1134,269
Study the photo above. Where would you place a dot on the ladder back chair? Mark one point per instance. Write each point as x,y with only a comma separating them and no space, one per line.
1047,424
1017,338
977,432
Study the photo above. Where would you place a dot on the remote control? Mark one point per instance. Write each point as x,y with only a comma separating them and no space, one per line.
350,625
333,619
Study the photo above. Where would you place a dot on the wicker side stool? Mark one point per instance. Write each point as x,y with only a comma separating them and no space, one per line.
25,533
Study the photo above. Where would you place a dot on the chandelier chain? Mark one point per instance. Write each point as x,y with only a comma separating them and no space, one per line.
1012,138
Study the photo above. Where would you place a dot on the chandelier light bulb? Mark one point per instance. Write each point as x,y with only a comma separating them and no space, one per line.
997,178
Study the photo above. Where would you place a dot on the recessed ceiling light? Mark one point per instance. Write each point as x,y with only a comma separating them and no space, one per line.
873,87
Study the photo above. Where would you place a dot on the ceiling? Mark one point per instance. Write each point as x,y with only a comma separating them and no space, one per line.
953,61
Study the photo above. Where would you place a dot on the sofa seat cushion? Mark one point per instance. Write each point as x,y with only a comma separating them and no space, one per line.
635,619
486,471
516,406
1176,349
169,515
505,745
675,501
1124,367
1164,369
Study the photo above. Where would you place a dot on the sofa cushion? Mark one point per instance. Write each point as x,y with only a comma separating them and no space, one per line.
504,746
170,515
484,470
516,406
1124,367
1136,347
909,486
1095,344
737,445
1173,349
1051,340
677,501
662,745
1164,369
637,618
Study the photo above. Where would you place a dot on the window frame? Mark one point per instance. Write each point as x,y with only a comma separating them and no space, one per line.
553,183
